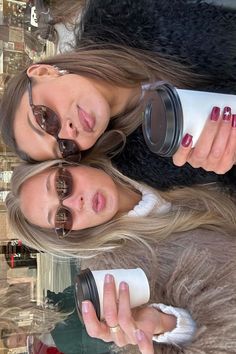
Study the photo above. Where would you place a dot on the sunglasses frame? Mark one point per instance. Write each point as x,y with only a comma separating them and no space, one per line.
61,199
73,157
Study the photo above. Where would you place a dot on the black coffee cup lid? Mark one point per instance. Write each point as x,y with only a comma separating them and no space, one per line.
86,289
163,120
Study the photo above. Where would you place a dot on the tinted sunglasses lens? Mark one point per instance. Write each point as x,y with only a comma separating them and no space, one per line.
63,222
64,183
47,119
68,147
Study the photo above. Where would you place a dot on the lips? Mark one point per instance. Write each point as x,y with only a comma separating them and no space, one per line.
98,202
86,120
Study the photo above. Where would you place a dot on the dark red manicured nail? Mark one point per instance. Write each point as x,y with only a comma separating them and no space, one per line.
215,114
187,139
234,120
227,114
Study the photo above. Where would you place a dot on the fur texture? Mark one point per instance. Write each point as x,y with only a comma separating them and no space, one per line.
194,33
139,163
195,271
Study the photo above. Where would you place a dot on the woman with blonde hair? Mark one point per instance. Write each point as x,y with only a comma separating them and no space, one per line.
96,208
183,239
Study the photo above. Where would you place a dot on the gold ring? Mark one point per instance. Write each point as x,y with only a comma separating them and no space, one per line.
115,329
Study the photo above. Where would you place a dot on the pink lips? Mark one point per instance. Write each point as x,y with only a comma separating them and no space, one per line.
98,202
86,120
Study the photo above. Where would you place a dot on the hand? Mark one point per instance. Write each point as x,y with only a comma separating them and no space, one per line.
129,327
215,149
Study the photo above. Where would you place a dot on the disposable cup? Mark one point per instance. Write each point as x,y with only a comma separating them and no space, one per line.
170,113
89,286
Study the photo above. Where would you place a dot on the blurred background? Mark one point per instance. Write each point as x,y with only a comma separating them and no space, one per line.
27,34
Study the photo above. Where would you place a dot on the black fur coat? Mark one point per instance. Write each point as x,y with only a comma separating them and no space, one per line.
195,33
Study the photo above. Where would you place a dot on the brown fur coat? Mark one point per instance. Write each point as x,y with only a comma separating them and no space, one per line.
195,271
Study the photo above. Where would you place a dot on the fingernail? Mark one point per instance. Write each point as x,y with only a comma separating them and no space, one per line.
215,114
187,139
234,120
139,335
123,285
85,307
227,114
109,278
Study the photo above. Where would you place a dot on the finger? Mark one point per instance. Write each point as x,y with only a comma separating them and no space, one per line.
144,343
232,141
220,150
229,157
94,327
126,320
110,301
202,148
111,312
182,154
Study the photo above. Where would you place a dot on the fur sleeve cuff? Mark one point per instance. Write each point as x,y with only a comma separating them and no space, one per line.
185,326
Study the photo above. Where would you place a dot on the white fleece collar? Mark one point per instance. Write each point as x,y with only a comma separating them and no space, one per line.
148,203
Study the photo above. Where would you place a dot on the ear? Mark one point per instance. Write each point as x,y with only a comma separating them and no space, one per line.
38,71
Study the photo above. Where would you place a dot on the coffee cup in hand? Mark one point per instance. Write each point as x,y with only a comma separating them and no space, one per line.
89,286
170,113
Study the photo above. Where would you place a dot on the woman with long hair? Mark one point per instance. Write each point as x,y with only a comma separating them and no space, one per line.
83,108
96,208
109,68
184,240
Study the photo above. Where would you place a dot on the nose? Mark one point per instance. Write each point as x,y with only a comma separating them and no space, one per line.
75,203
68,130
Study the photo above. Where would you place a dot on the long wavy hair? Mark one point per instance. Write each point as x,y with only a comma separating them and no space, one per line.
15,306
198,207
117,65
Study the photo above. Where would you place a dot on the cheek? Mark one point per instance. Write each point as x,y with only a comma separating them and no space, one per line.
86,142
113,206
100,107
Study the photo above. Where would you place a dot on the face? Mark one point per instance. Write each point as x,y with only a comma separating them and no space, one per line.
90,196
81,105
16,341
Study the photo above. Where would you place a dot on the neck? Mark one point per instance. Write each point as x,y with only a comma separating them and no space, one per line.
128,199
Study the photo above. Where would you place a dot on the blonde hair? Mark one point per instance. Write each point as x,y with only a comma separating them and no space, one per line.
15,306
198,207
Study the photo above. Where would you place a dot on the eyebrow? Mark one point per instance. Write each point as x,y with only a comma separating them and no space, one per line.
42,133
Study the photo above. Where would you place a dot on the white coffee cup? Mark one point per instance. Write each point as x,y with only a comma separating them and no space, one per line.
89,286
170,113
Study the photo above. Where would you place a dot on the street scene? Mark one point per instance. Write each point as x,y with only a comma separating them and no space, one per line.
26,35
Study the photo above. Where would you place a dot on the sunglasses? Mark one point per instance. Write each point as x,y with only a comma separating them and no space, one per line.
63,218
48,120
